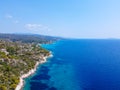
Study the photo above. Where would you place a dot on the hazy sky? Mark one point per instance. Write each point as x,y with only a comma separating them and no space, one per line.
67,18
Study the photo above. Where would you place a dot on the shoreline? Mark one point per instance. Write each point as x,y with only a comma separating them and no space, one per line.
30,72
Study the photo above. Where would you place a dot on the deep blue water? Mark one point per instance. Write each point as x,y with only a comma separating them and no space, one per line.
79,65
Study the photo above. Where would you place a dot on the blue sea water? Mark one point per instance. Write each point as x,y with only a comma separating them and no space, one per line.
79,65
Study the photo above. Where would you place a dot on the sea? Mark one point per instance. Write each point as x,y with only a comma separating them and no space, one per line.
79,64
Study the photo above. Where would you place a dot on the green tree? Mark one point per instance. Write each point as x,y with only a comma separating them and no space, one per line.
11,50
2,87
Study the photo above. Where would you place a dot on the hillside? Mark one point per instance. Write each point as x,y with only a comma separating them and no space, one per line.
29,38
18,55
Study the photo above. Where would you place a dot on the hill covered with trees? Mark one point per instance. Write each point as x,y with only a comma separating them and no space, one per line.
18,55
29,38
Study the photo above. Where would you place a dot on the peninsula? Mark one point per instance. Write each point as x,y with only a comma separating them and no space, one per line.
18,60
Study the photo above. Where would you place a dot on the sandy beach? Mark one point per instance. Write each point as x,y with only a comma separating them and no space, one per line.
32,71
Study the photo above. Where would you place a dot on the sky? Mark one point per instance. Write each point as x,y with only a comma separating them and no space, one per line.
65,18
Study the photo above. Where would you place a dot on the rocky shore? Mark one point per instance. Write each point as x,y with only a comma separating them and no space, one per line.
32,71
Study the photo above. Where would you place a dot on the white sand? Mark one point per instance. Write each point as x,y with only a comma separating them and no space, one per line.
21,83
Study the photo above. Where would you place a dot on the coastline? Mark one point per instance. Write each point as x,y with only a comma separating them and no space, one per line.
32,71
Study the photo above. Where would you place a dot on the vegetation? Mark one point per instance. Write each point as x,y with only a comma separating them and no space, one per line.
17,58
29,38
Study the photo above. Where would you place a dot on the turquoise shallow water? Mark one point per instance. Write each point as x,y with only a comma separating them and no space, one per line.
79,65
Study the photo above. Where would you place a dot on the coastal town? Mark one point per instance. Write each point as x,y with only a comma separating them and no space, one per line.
18,60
